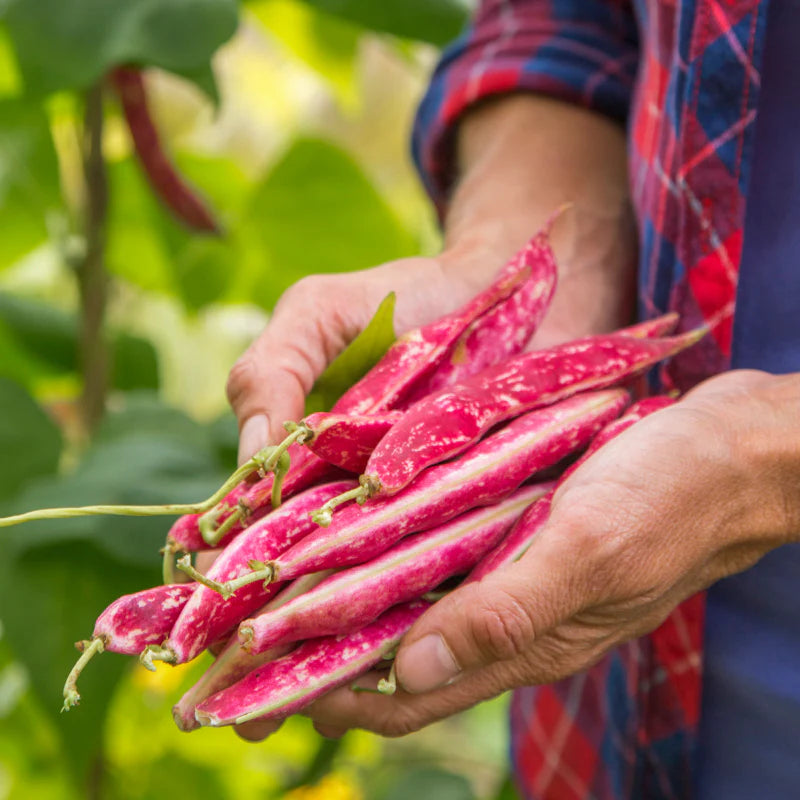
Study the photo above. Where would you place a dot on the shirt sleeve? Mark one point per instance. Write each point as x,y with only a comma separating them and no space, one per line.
581,51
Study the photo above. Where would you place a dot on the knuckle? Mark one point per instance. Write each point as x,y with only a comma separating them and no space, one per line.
307,292
502,629
242,379
399,722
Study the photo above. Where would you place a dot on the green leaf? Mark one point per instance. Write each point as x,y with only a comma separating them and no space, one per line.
30,442
72,45
316,211
136,249
203,268
146,453
10,80
47,332
134,363
16,361
149,248
50,596
43,340
435,21
29,187
174,776
224,432
356,359
57,576
204,78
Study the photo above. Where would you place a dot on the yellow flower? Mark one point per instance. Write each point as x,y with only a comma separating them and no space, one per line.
331,787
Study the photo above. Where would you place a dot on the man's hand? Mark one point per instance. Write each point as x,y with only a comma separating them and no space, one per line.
520,158
511,183
312,323
694,493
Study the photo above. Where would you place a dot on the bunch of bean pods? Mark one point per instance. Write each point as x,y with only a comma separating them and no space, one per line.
435,468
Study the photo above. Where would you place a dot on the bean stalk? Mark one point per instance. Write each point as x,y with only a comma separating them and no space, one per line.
260,462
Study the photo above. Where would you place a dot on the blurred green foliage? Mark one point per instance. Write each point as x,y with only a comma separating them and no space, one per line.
277,111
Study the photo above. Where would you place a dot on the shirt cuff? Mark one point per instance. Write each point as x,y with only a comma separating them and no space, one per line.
581,63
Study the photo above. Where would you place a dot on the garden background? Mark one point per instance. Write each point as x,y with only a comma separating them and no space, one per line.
118,326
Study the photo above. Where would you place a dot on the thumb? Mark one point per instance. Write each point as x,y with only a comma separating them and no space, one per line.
269,383
498,619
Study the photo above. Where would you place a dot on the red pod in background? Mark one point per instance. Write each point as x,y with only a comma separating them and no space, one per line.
173,191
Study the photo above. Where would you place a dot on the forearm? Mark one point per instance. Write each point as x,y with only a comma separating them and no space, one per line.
521,157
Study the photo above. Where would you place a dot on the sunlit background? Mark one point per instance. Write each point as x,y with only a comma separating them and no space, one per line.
303,155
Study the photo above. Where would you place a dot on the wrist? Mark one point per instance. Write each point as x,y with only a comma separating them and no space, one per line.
758,414
772,443
520,158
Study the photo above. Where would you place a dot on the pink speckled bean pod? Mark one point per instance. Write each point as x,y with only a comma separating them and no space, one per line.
485,474
408,362
653,328
129,624
445,424
530,523
351,598
504,330
345,440
416,354
285,686
208,616
234,662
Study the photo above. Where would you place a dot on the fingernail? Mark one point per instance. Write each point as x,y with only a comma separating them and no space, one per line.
426,665
254,436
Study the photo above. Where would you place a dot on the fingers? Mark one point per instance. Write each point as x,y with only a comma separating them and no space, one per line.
256,730
400,713
310,325
313,322
496,620
330,731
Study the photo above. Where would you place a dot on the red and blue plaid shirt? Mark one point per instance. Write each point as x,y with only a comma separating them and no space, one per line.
685,75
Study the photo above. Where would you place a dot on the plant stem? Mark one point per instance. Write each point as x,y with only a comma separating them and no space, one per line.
153,653
90,649
388,685
234,480
278,475
213,535
324,514
168,565
261,572
91,273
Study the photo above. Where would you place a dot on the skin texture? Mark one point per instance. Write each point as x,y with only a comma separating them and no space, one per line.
531,522
521,157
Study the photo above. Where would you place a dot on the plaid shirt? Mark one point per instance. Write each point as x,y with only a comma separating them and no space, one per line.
684,74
